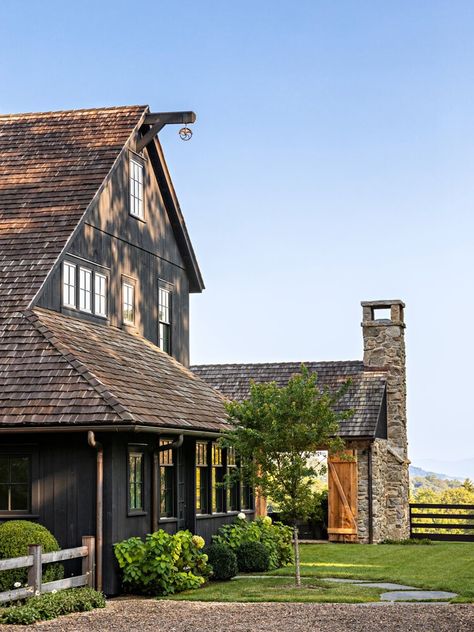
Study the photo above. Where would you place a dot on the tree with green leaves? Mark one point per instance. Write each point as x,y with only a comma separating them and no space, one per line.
275,431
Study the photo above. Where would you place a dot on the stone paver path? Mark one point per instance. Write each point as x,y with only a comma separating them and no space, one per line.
417,595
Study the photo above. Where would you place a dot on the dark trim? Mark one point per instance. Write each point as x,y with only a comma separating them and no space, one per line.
370,494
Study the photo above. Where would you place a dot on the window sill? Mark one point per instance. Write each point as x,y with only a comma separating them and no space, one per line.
137,217
170,519
12,515
136,514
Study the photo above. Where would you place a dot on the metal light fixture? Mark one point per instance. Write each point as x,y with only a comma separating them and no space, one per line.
185,133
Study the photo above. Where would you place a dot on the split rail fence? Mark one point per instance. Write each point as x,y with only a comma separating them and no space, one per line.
442,522
34,563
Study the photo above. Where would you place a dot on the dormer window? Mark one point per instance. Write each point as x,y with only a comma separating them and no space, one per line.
85,289
136,188
128,303
69,284
100,298
164,317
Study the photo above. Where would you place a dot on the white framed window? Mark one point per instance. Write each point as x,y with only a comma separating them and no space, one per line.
85,289
164,318
69,284
100,294
136,189
128,303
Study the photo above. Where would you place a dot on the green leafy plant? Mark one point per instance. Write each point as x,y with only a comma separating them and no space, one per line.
252,557
223,561
162,564
15,536
52,605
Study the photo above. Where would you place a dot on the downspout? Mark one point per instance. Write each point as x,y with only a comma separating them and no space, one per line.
99,531
370,494
174,445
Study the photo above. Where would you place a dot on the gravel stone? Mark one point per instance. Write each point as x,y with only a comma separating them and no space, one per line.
141,615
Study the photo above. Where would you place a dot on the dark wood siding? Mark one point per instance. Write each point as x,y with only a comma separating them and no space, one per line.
143,250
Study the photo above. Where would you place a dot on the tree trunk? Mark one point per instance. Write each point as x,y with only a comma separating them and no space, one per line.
297,556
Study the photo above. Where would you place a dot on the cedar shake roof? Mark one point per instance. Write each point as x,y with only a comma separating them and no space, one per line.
51,166
138,381
365,395
56,370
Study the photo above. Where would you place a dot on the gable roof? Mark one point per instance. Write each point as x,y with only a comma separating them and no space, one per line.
365,395
67,371
51,166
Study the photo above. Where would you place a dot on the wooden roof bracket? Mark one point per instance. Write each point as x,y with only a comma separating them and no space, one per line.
156,122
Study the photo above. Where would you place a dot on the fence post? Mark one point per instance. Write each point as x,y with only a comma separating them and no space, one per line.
35,572
88,562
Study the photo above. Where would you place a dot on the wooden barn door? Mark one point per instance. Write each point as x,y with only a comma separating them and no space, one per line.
342,497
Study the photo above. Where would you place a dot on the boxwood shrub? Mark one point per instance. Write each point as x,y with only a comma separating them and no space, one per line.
223,561
15,536
252,557
52,605
275,537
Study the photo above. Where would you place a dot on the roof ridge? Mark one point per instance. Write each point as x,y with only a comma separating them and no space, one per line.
80,368
276,363
72,111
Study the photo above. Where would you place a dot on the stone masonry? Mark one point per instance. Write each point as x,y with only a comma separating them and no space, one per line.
384,348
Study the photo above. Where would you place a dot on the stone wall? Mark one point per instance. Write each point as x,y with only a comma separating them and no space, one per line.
384,347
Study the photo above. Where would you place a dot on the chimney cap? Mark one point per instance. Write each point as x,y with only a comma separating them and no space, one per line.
385,303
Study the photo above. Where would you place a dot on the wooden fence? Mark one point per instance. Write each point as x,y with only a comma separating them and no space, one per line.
34,563
442,522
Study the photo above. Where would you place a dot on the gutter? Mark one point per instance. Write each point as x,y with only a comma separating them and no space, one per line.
112,428
99,512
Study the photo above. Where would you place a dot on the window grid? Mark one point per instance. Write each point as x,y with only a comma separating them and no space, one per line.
135,480
128,303
202,479
233,485
100,294
217,481
15,483
164,317
85,290
136,189
69,284
167,481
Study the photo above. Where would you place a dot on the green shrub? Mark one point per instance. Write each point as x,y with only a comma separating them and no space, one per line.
223,561
52,605
163,564
252,557
15,536
276,538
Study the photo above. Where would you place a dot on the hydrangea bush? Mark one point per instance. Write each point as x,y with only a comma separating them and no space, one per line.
163,564
275,537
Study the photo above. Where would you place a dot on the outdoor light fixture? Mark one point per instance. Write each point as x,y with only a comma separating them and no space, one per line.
155,121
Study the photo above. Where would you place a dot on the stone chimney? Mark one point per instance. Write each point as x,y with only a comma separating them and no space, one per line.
383,329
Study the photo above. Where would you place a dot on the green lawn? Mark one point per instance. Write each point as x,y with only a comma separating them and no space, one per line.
279,589
441,566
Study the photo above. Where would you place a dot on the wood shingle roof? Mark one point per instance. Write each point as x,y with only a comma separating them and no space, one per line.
365,395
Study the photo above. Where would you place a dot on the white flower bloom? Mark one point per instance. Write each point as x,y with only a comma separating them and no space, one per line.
241,516
17,585
53,592
37,593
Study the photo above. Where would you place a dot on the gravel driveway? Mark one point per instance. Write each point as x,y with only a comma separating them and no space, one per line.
139,615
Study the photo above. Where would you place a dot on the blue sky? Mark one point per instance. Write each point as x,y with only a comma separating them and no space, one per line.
331,163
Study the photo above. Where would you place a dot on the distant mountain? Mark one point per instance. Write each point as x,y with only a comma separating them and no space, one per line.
462,469
418,471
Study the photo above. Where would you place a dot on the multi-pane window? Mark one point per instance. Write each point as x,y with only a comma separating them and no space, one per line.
246,495
128,302
135,480
85,289
136,189
202,478
15,483
233,483
164,317
217,482
100,294
69,284
167,481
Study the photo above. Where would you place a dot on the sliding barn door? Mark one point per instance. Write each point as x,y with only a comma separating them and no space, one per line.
342,497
